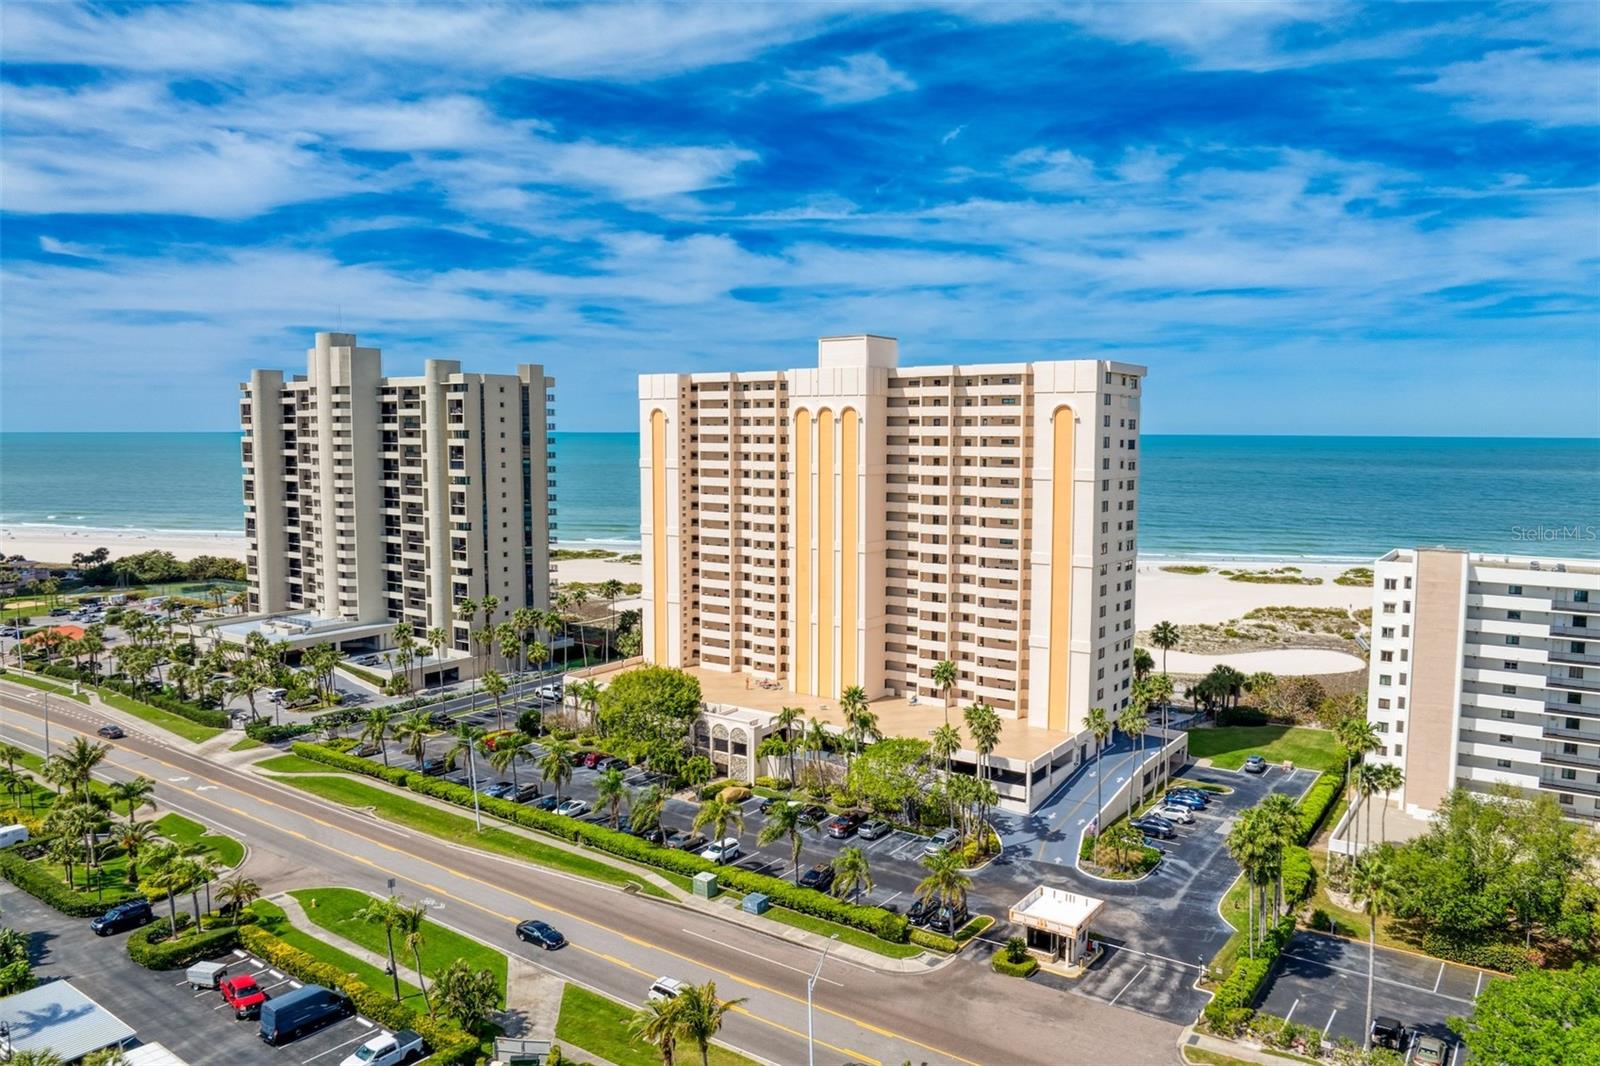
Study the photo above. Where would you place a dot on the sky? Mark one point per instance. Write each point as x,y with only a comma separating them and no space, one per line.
1302,217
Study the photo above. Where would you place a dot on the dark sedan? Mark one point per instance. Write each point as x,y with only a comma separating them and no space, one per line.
434,767
843,826
111,732
540,933
819,877
1153,826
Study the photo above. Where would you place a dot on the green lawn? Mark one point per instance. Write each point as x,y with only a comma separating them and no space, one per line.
274,921
35,765
334,909
246,744
846,933
55,688
172,723
448,826
189,834
293,764
600,1026
1227,746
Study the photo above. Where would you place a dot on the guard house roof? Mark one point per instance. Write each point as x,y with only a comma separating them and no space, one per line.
55,1016
1055,910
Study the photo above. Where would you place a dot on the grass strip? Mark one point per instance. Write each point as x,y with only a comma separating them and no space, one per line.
600,1026
454,827
276,922
172,723
245,745
190,834
292,764
845,933
1228,746
52,687
334,909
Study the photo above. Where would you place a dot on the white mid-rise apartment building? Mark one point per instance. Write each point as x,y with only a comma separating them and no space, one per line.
857,522
1486,670
375,500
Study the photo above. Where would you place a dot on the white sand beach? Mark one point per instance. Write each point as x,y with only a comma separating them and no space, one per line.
1162,595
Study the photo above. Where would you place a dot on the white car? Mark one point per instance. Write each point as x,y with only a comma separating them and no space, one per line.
940,842
666,989
387,1049
573,808
724,850
1175,814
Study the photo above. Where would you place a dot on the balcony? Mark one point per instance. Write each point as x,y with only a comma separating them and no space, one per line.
1577,684
1569,606
1579,761
1559,733
1562,629
1579,658
1591,788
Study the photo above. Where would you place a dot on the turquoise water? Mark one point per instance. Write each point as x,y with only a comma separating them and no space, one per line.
1292,497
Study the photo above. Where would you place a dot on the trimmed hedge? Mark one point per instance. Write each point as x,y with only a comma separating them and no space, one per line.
264,731
1239,989
1299,876
1494,955
1026,968
149,947
927,938
43,886
874,920
449,1043
163,700
365,675
1318,800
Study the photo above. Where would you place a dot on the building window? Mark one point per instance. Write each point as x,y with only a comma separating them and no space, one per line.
1513,590
1400,726
1386,656
1503,764
1507,714
1383,703
1564,797
1384,679
1513,640
1508,690
1513,616
1399,750
1390,583
1388,631
1568,774
1505,738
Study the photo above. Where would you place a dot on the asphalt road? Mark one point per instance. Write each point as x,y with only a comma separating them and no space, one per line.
959,1013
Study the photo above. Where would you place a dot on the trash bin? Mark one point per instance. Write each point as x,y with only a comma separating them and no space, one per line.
756,903
705,885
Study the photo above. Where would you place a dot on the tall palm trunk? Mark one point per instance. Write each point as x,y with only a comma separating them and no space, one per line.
1372,951
422,980
394,970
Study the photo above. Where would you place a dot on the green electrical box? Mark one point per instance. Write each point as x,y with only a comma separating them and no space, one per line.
705,884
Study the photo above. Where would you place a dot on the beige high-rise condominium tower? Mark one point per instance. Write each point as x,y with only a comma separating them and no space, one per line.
371,499
856,522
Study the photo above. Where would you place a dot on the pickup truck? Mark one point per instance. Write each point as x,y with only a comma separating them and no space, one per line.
387,1049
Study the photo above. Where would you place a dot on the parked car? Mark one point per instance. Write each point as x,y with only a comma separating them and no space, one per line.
922,910
550,692
243,995
1174,813
305,1010
843,826
440,719
434,767
874,829
500,790
111,732
573,808
1255,764
366,751
525,793
678,840
724,850
129,915
1183,799
656,836
1152,826
610,762
206,974
387,1049
546,803
1428,1050
947,920
666,989
1389,1032
941,841
543,934
819,877
815,813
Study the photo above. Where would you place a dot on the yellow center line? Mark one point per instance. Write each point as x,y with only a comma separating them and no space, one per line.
636,941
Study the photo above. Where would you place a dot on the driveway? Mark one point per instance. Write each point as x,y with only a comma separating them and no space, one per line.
1322,981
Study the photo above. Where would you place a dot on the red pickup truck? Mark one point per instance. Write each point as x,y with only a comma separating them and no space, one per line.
243,995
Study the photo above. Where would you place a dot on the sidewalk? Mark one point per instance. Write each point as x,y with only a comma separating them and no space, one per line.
1193,1038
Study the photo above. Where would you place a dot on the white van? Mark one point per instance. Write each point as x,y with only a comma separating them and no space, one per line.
12,834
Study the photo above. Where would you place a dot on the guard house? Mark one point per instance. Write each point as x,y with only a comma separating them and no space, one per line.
1057,922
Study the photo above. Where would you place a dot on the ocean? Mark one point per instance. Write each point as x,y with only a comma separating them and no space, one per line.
1309,498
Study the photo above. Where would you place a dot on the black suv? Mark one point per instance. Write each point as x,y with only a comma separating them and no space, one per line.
129,915
947,920
921,911
434,767
819,877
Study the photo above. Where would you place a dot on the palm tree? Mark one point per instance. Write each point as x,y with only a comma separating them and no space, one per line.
786,721
1281,821
522,620
1249,842
411,920
556,764
1373,884
1159,688
63,852
1369,782
130,838
466,738
1357,736
496,686
508,748
657,1025
1100,725
700,1015
134,794
237,893
1134,722
1142,664
609,791
860,723
946,742
645,807
510,643
389,913
11,753
609,590
1391,779
787,821
375,728
720,814
851,872
438,640
945,881
413,732
169,874
816,741
587,695
81,757
945,676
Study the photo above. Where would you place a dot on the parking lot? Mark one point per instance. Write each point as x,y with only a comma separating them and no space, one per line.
198,1027
1322,981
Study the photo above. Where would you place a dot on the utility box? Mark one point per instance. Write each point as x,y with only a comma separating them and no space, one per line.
706,886
756,903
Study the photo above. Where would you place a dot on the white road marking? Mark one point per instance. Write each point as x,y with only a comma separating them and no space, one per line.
1382,980
1290,1015
336,1047
1325,1028
897,895
1479,986
1131,980
763,958
1436,980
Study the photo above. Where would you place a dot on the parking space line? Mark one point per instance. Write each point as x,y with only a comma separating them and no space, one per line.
1436,980
336,1047
1290,1015
1325,1028
1383,980
1479,986
1131,980
889,900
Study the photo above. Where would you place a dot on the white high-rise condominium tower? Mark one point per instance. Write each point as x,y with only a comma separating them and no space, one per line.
1485,671
857,522
377,500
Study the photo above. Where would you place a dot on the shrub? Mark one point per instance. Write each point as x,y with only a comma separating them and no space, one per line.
324,754
152,948
735,794
1016,949
48,889
1026,968
1320,921
164,700
927,938
1086,848
1299,876
530,722
267,733
779,784
450,1045
1507,957
1240,716
1318,800
1239,989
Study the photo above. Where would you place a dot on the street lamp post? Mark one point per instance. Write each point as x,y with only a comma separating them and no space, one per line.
472,774
811,983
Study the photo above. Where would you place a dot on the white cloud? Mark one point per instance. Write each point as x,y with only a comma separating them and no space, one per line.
858,78
1057,170
1524,84
55,247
